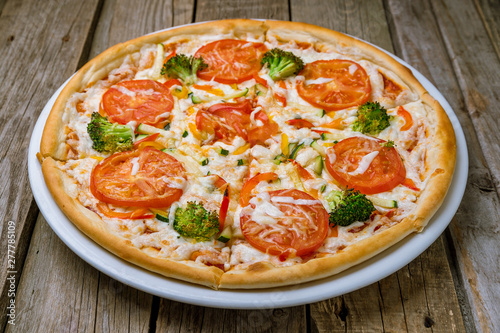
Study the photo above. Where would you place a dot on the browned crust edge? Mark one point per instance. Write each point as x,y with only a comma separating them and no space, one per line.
91,224
441,156
53,137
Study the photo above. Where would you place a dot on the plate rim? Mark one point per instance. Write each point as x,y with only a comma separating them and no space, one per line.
366,273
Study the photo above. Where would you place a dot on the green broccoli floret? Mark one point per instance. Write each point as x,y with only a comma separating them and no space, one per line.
282,63
348,206
183,67
196,222
372,119
109,137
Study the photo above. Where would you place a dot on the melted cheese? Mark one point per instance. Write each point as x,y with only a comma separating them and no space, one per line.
191,150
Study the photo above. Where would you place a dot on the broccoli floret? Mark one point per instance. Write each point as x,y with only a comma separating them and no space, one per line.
282,63
348,206
183,67
372,119
109,137
196,222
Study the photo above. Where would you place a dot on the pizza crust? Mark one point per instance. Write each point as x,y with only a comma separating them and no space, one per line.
440,158
91,224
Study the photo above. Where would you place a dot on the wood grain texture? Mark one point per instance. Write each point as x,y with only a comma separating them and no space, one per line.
179,317
477,68
474,228
489,10
37,56
227,9
363,19
118,23
57,290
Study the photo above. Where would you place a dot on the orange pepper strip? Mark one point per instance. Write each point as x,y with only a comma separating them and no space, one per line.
335,124
407,118
410,184
260,80
140,213
151,137
168,57
247,188
172,82
305,175
194,130
209,89
334,231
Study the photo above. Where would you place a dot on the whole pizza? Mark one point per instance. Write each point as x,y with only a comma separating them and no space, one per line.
247,154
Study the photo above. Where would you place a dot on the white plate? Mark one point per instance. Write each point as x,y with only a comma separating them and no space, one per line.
354,278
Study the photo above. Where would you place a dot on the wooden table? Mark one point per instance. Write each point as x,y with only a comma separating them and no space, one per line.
454,286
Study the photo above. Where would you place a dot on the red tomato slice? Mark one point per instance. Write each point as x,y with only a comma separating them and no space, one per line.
227,120
385,171
143,101
246,190
301,230
350,85
300,123
138,178
231,61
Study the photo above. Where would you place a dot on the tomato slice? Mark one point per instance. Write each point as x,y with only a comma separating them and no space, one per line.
385,171
143,101
246,190
349,85
300,230
231,61
139,178
227,120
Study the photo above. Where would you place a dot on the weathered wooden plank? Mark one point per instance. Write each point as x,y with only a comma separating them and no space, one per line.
124,20
121,308
474,228
226,9
40,47
391,303
177,317
444,311
490,13
477,68
57,290
363,19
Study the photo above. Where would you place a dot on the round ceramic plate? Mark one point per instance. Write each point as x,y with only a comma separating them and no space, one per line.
378,267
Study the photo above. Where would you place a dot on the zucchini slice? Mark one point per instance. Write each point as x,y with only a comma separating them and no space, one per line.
295,150
225,235
319,148
160,214
318,165
385,203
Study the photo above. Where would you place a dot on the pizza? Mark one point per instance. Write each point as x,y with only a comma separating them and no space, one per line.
246,153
